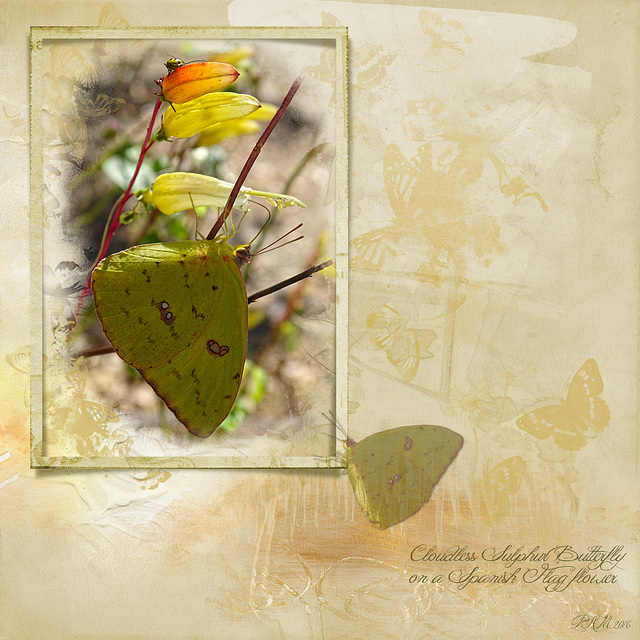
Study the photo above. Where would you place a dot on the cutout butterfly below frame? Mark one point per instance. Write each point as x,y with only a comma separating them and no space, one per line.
394,472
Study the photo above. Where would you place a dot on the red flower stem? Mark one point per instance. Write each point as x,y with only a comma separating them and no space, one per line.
253,157
114,222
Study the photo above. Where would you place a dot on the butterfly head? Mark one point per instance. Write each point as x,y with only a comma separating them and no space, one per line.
242,254
349,442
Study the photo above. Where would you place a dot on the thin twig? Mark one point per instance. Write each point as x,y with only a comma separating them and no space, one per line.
253,157
285,283
146,145
312,153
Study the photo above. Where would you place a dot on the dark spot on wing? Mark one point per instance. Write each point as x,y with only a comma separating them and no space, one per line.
216,349
165,312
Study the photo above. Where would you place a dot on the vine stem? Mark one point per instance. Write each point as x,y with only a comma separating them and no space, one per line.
146,145
253,156
289,281
114,219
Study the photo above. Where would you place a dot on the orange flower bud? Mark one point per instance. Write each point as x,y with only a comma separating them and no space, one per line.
194,79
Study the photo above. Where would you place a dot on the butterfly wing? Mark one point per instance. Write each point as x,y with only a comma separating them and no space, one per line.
402,346
394,472
557,421
371,248
588,410
325,71
497,485
400,179
177,312
569,421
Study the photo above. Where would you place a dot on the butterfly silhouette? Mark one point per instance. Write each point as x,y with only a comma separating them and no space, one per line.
447,39
370,70
568,421
425,207
111,18
497,485
404,346
21,361
400,180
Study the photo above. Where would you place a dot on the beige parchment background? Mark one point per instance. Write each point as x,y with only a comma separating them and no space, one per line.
504,256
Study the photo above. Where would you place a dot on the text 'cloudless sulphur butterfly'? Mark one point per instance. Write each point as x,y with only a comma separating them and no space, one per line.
177,312
393,472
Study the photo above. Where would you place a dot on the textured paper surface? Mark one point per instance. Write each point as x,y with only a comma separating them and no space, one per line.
505,257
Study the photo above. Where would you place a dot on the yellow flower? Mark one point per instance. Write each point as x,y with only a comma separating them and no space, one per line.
194,79
173,192
191,117
245,125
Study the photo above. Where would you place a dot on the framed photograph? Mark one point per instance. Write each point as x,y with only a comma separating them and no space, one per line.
135,152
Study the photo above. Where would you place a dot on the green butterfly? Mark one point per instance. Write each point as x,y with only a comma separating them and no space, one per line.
177,312
393,472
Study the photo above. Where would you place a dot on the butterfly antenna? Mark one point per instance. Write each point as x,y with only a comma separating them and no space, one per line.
271,247
279,246
266,221
316,360
332,419
233,446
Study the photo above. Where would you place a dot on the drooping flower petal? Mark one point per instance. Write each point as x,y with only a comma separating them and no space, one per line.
196,115
178,191
278,200
248,124
218,132
195,79
265,112
173,192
